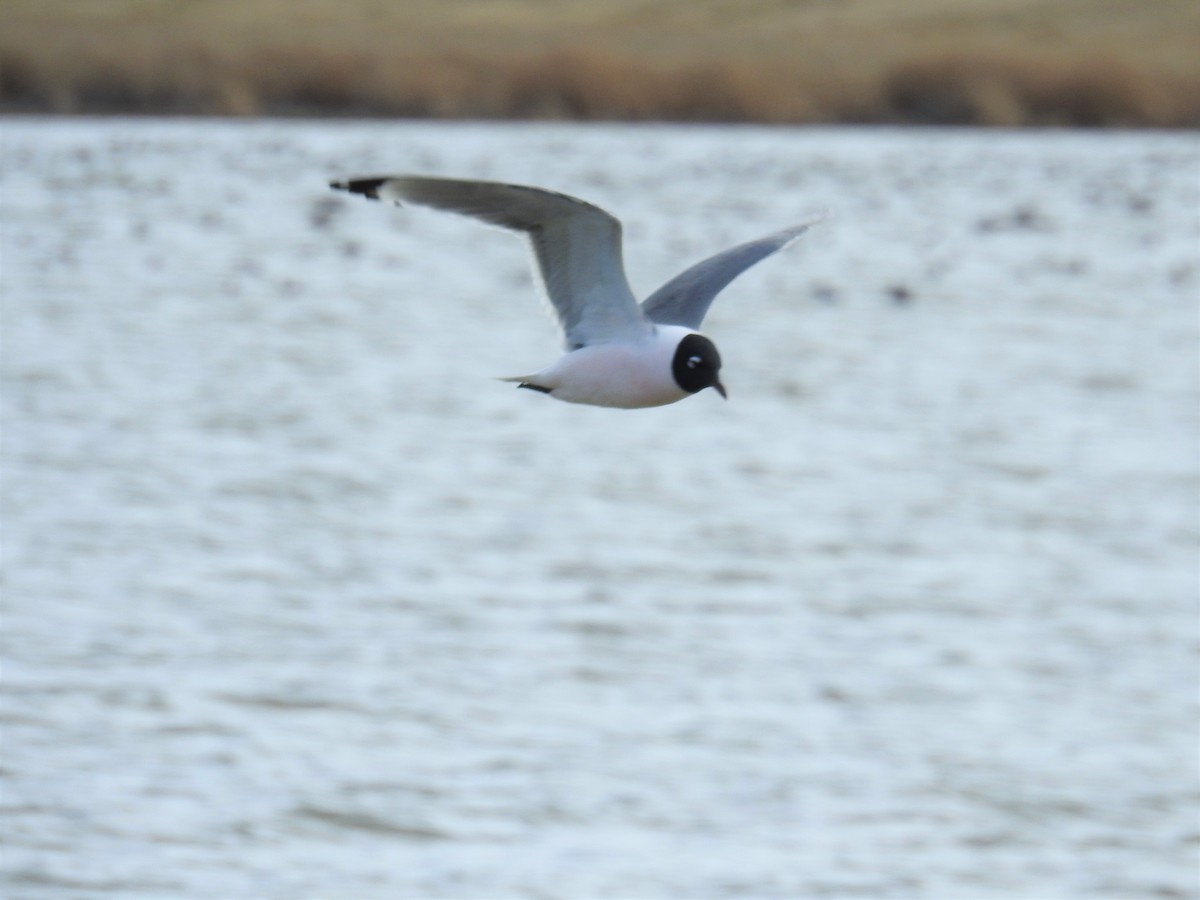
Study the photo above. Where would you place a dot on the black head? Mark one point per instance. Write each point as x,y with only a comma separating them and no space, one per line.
697,365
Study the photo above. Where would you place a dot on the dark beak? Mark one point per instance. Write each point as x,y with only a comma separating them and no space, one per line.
720,389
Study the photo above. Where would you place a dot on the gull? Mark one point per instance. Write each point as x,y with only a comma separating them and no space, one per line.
619,353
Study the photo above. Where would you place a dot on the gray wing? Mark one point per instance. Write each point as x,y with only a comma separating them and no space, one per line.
577,245
686,298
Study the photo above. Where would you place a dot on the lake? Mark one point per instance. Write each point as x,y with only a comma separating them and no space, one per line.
300,602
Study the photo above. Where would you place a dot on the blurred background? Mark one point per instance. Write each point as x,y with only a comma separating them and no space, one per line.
989,62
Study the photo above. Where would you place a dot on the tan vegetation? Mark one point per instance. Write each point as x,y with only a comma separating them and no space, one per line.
997,62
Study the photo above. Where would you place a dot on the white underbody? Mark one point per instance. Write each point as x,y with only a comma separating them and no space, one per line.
624,374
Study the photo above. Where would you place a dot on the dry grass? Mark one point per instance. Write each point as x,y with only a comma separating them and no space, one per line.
998,62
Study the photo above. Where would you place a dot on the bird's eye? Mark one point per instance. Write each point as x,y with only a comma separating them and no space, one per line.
693,361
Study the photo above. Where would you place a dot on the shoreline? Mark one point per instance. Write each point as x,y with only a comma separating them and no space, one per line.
979,62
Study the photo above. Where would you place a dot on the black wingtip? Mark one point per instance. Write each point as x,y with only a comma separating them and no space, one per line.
368,187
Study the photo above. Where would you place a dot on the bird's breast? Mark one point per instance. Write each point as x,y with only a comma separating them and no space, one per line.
623,374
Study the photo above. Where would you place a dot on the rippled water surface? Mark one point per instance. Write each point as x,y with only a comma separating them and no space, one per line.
300,603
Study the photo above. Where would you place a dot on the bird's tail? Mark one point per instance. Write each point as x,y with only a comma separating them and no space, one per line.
527,381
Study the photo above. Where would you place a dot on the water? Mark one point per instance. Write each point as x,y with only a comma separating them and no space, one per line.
299,603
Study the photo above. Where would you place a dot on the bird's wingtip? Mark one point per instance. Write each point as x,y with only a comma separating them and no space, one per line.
815,218
368,187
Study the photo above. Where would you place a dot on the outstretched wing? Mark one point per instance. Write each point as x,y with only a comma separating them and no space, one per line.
685,299
577,246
